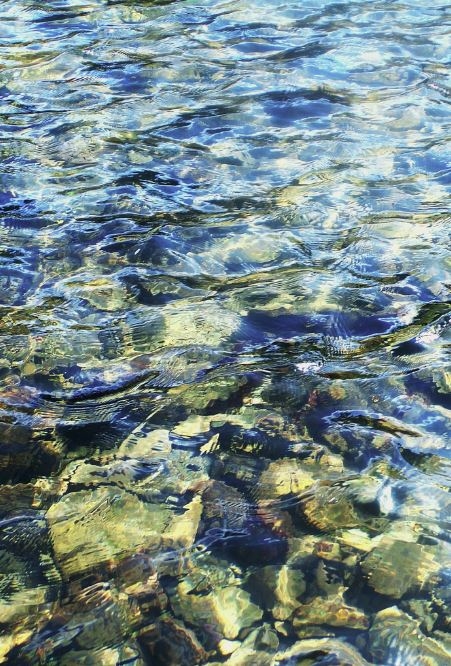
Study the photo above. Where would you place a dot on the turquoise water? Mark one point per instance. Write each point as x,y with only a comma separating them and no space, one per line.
225,323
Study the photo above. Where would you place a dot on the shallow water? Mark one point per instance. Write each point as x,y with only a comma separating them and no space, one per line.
224,333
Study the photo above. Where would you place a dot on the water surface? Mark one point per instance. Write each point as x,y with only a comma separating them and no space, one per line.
224,332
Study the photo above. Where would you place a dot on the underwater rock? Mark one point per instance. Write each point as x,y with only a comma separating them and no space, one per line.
263,638
443,638
193,426
103,292
216,391
362,435
169,642
183,473
395,638
146,599
152,477
234,526
138,580
248,656
94,618
334,650
356,540
327,549
30,583
283,477
256,648
24,453
93,528
331,577
130,473
11,643
423,610
274,425
329,611
246,418
227,609
250,249
27,606
25,534
441,597
226,647
303,549
395,567
143,443
188,324
323,463
200,572
350,503
100,616
127,653
181,531
240,470
224,507
326,508
16,497
278,588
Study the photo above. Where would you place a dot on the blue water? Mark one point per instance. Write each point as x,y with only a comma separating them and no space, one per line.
224,332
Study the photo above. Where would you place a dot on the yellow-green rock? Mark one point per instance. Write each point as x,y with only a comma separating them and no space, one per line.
227,609
97,527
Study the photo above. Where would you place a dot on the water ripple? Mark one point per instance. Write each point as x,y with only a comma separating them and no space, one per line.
224,331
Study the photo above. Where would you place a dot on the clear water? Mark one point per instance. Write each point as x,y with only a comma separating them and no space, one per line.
225,328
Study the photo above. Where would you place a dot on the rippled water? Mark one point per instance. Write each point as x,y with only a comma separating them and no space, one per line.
225,332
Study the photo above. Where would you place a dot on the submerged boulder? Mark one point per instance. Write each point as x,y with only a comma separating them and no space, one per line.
395,567
227,609
395,637
98,527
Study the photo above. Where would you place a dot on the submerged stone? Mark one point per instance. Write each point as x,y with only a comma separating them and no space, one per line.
107,656
94,528
181,531
24,454
169,642
188,324
279,589
256,648
350,503
146,443
227,609
330,611
395,567
225,388
283,477
395,637
333,649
